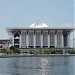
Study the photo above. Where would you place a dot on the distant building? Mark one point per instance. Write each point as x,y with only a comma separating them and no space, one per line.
5,43
39,35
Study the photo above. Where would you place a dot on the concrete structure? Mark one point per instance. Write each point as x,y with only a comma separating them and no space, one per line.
5,43
39,35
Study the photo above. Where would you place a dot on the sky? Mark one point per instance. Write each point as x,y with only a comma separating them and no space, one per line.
23,13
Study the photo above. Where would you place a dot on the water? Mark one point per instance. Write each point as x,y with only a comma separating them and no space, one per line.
63,65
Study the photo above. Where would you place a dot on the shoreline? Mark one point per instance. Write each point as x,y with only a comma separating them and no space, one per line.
32,55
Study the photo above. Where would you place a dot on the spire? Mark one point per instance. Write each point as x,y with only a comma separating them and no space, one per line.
38,22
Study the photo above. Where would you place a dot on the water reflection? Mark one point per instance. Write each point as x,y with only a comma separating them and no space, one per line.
38,66
43,65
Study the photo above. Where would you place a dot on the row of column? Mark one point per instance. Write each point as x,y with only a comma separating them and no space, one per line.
34,42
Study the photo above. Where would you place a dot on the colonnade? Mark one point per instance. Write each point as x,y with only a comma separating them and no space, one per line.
40,39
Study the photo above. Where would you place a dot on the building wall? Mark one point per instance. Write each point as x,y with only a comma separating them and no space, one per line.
31,37
5,43
52,38
45,38
23,39
39,39
59,39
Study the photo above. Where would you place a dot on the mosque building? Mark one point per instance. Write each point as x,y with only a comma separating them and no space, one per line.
39,35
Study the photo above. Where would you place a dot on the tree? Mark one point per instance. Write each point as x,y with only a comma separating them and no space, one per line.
47,51
72,51
14,50
7,51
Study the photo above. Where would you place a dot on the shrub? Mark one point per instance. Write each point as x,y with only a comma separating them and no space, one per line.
14,50
47,51
7,51
72,51
31,52
52,51
40,51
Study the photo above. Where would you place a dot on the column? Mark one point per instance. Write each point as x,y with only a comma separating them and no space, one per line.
34,40
13,39
27,40
68,40
55,40
48,40
41,40
20,41
62,40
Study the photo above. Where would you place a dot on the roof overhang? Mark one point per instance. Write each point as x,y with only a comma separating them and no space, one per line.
10,30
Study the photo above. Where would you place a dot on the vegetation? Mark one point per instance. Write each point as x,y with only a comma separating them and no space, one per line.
47,51
31,52
7,51
13,50
72,51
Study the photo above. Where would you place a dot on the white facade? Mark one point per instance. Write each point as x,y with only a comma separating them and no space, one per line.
39,39
40,36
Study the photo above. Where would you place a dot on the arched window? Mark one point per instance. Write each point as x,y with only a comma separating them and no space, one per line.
16,35
16,39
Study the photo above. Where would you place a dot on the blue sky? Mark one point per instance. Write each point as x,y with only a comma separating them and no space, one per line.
22,13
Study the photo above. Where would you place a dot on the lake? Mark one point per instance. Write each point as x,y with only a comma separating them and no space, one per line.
51,65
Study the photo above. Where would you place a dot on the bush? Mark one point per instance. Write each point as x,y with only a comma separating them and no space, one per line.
47,51
7,51
72,51
59,51
17,51
31,52
40,51
14,50
53,51
36,52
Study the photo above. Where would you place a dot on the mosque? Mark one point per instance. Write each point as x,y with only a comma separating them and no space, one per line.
39,35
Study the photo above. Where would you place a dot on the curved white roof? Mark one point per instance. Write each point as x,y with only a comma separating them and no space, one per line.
38,25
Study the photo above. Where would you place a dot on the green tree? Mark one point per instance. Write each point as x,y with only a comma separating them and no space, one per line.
47,51
14,50
72,51
7,51
52,51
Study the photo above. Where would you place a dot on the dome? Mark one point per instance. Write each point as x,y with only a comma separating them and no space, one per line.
38,25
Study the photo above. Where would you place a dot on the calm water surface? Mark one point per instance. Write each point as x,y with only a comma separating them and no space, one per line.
53,65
